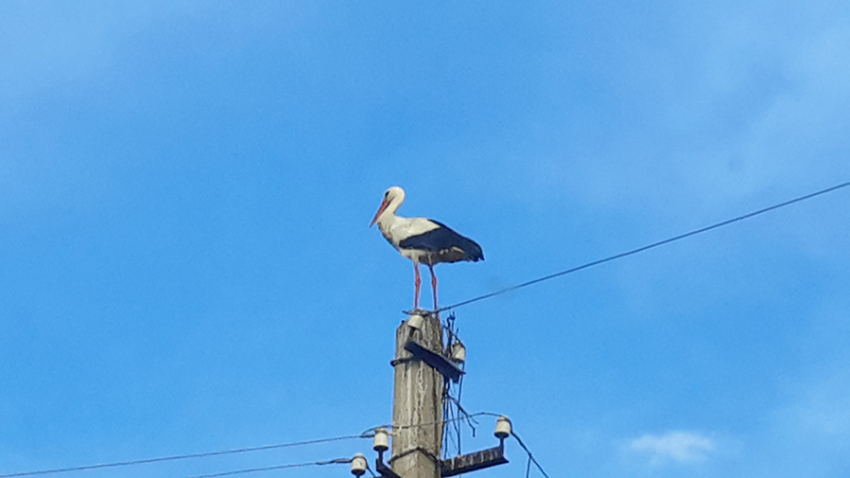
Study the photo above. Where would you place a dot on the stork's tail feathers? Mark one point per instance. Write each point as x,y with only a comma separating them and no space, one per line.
473,250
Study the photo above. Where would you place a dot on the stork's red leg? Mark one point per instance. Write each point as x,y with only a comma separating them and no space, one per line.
416,281
433,285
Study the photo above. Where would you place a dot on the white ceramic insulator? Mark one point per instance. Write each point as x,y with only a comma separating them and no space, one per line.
358,465
381,442
458,352
503,427
415,321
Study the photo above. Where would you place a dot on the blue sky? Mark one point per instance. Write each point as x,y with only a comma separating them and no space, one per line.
185,263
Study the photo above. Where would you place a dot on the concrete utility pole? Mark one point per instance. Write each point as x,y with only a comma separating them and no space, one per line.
418,401
422,370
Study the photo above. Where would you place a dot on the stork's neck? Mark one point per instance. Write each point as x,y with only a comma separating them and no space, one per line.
388,217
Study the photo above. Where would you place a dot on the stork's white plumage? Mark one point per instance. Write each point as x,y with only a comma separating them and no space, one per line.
422,240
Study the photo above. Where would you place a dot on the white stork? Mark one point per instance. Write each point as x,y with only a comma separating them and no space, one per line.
422,240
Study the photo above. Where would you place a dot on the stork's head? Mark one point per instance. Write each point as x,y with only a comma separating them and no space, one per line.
392,200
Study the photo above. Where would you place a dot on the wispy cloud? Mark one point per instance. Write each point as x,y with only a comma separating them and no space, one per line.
677,446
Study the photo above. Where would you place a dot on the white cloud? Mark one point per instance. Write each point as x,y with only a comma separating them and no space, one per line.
678,446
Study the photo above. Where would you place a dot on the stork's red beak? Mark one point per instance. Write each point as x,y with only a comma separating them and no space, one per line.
384,204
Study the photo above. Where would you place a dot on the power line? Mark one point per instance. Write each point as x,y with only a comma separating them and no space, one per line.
402,427
647,247
336,461
531,458
366,434
183,457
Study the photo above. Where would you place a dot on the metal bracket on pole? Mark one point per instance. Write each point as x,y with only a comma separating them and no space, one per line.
474,461
443,365
384,470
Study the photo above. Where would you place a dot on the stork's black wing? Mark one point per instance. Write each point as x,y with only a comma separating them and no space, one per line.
448,244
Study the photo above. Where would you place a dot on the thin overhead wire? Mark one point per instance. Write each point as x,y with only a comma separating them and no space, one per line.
183,457
646,247
336,461
403,427
366,434
531,458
